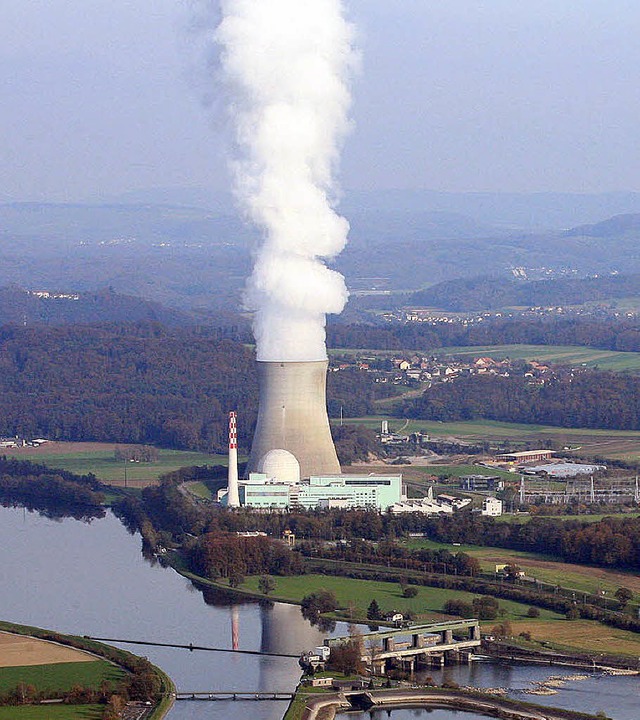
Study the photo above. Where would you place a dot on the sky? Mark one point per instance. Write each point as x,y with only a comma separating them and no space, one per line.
102,97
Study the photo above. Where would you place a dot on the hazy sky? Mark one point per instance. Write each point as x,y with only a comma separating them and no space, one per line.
99,97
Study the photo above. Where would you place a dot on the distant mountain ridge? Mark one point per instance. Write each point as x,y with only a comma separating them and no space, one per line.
616,226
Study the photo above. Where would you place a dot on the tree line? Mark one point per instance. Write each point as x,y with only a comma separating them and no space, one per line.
392,554
622,335
232,557
611,542
586,399
53,492
141,383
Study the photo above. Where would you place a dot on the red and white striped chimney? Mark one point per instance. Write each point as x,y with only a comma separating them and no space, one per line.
233,496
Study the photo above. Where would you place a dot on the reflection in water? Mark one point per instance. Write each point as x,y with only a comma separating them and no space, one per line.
235,628
91,579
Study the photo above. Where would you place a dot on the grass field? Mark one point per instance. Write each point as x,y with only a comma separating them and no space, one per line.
60,676
582,636
199,489
579,635
615,444
577,577
559,354
52,712
427,604
98,458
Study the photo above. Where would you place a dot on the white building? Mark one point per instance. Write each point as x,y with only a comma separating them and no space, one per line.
491,507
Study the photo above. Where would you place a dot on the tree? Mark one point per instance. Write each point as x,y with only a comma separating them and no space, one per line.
373,611
623,595
572,614
459,608
533,612
266,584
409,591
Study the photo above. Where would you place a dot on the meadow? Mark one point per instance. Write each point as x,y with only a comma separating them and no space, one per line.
581,578
550,627
99,459
357,594
60,676
557,354
52,712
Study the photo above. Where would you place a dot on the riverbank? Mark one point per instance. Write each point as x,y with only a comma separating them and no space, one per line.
126,661
326,707
550,633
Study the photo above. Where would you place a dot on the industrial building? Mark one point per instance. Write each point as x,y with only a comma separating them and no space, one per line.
479,483
379,492
293,461
525,456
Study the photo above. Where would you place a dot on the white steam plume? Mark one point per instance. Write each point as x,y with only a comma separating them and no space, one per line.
288,62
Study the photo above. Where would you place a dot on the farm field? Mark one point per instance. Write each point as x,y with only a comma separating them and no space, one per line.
60,676
99,459
578,577
558,354
614,444
16,650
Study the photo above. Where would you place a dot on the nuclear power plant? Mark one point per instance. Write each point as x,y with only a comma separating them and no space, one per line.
293,461
292,416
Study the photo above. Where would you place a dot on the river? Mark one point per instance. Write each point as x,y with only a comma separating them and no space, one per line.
91,579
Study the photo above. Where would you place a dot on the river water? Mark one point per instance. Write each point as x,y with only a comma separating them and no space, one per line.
91,579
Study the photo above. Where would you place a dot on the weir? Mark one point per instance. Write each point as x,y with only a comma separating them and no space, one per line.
433,644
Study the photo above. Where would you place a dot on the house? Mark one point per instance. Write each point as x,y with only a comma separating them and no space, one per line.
491,507
394,617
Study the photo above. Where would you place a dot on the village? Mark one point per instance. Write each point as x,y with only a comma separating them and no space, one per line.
427,370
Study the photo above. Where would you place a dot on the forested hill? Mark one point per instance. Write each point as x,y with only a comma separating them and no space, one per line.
491,293
140,383
124,383
622,335
29,307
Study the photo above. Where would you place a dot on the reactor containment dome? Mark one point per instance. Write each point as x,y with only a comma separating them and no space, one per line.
281,465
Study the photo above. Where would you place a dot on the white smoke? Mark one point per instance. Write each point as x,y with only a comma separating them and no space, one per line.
287,63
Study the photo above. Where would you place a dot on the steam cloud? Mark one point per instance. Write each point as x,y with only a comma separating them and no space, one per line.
288,63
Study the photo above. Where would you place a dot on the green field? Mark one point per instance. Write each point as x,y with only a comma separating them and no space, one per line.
98,458
558,354
359,593
615,444
61,676
542,567
199,489
52,712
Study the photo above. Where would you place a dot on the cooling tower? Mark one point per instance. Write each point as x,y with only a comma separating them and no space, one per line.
292,416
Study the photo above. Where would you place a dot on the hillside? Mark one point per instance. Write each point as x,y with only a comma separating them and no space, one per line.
28,307
493,293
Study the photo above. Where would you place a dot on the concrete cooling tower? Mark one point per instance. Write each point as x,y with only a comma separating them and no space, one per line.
292,416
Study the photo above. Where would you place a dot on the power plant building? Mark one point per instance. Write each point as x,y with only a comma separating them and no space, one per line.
293,461
321,492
